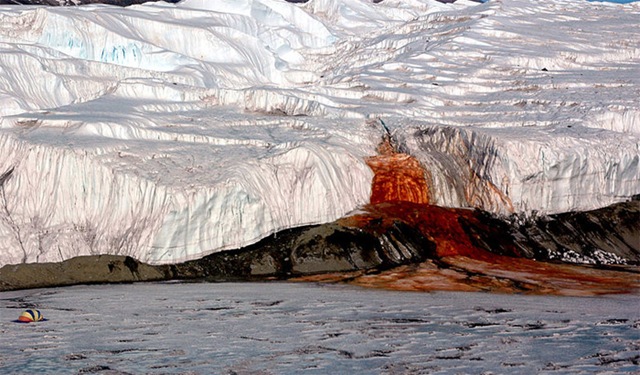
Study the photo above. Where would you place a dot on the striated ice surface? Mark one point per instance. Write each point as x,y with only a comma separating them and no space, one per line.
171,131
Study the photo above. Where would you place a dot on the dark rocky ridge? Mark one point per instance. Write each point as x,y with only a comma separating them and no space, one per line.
584,236
601,237
311,250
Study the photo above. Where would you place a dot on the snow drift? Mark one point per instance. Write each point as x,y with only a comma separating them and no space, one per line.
170,131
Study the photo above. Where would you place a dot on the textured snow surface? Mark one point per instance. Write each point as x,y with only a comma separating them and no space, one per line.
302,328
170,131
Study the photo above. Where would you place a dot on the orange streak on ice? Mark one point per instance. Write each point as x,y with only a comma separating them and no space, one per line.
397,177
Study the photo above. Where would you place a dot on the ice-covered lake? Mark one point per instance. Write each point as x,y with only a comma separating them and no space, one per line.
285,328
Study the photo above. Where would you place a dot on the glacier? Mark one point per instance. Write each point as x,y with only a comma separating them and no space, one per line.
168,132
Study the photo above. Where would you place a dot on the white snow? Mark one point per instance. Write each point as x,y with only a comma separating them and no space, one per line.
303,328
171,131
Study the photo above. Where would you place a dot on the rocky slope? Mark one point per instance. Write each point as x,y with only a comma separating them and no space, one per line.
450,249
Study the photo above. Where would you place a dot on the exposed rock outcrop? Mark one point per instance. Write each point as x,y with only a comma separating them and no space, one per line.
610,235
312,250
403,246
79,270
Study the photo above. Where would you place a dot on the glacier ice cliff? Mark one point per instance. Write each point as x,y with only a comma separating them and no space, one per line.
167,132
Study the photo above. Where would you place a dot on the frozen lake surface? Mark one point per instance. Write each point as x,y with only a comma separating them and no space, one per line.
285,328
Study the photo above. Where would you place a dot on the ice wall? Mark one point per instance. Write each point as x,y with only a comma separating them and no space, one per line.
170,131
161,205
542,169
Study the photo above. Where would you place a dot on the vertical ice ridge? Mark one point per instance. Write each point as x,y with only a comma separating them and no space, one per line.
67,204
548,170
303,185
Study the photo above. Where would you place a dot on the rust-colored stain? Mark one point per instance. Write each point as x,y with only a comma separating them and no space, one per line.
460,265
514,276
400,193
397,177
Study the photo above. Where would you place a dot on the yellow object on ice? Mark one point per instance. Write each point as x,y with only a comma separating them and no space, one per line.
30,315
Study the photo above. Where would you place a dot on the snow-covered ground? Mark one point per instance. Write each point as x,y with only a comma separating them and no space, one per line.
170,131
303,328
